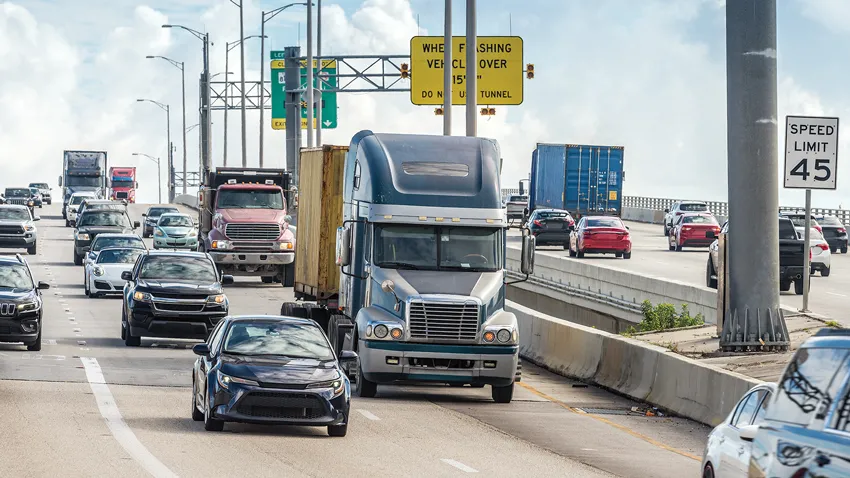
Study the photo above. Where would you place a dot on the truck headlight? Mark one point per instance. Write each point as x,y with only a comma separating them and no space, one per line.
284,246
141,296
381,331
98,271
83,236
220,245
503,336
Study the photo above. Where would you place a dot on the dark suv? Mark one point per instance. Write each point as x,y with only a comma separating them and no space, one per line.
172,294
98,221
20,303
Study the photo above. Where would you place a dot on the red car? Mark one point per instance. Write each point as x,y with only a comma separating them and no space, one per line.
689,231
601,235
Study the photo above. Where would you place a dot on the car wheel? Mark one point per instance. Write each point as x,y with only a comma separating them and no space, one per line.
579,252
627,255
267,279
78,259
678,248
503,394
833,250
709,271
35,346
666,231
86,287
363,387
572,252
824,272
210,423
798,286
67,223
708,471
197,415
33,250
337,430
844,250
129,339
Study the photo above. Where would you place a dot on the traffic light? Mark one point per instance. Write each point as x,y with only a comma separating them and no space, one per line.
438,111
405,70
529,71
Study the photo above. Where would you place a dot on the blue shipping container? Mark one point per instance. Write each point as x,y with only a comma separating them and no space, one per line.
582,179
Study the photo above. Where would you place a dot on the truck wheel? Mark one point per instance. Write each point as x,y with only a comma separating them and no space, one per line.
333,331
503,394
288,275
321,316
267,279
287,307
364,388
798,286
33,250
78,259
785,285
824,272
710,282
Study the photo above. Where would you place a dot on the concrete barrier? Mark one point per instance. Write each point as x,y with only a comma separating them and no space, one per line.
187,200
642,371
616,287
652,216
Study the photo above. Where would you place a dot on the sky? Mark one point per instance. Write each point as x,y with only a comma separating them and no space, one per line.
648,76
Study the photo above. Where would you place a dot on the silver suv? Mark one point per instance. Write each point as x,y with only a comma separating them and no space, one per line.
17,228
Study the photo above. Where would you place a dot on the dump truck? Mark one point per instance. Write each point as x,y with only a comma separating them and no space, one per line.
401,246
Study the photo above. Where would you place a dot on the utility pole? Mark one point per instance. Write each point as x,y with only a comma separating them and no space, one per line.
292,83
242,80
319,83
753,241
447,70
226,96
310,86
207,116
471,70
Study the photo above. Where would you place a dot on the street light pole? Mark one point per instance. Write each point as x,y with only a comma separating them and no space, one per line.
182,67
169,158
310,84
227,48
158,174
471,70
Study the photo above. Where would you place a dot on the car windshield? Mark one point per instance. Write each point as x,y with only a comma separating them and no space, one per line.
786,230
553,215
34,191
76,200
102,242
699,220
813,376
15,276
277,338
18,193
693,207
518,199
10,214
39,185
178,267
250,199
605,222
830,221
175,221
460,248
104,218
159,211
118,256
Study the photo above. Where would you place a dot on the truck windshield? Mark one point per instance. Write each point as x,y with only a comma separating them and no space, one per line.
122,182
438,248
88,181
75,200
250,199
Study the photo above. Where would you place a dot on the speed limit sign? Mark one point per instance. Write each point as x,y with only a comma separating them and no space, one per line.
811,152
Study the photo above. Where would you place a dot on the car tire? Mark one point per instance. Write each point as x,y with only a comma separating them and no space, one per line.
709,271
197,415
678,248
627,255
211,424
364,388
666,231
87,289
78,259
35,346
267,279
33,250
798,286
502,394
844,250
129,339
824,272
572,252
708,471
579,254
67,223
833,250
337,430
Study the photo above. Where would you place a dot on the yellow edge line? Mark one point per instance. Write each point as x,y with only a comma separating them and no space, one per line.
609,422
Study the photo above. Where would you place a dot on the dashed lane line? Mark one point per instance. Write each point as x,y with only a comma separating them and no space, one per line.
116,424
368,414
460,466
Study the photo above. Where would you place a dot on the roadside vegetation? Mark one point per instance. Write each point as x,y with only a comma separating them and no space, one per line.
664,316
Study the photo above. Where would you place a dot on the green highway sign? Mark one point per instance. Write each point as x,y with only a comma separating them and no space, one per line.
278,90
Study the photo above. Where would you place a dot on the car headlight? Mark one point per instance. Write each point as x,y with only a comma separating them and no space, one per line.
337,386
29,227
83,236
158,233
218,299
220,244
98,271
31,203
226,380
28,306
141,296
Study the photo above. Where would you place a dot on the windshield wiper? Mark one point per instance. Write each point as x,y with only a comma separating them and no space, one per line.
468,269
399,265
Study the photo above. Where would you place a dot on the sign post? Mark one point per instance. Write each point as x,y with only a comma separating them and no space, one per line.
328,100
811,162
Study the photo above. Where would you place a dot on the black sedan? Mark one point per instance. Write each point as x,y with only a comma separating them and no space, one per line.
270,370
92,223
835,233
172,294
551,227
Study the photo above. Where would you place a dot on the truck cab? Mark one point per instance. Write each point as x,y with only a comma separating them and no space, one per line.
123,184
244,223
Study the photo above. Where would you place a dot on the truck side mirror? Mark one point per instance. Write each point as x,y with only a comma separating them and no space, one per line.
60,181
287,219
527,262
343,246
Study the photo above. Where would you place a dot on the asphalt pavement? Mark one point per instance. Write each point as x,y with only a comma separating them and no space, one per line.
86,405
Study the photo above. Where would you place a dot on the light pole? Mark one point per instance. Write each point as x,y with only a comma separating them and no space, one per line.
158,174
266,17
206,116
227,47
242,79
167,110
182,67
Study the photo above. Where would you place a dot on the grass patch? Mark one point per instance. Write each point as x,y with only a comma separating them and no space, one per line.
663,317
833,324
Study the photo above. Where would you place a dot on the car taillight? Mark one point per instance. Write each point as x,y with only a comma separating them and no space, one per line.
810,254
538,223
823,246
841,230
686,228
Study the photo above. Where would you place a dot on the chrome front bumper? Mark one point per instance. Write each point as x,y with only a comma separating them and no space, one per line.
279,258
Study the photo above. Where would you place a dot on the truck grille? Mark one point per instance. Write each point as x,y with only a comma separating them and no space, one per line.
11,230
253,232
121,195
444,321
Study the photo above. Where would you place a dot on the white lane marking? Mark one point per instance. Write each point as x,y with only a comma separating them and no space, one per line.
116,424
836,293
368,414
460,466
50,341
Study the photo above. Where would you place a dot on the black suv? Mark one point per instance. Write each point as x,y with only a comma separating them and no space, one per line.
20,303
172,294
98,221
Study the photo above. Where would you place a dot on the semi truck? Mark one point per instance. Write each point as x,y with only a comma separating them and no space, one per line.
123,183
401,245
82,171
244,224
582,179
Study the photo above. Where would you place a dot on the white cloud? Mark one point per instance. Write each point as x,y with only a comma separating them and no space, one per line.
834,14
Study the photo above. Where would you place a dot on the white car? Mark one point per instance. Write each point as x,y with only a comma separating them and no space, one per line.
821,255
680,208
74,205
726,454
103,275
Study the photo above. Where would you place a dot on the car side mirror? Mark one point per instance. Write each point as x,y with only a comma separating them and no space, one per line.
527,260
348,356
666,210
748,432
226,279
37,218
710,235
201,349
144,214
136,224
127,275
343,246
43,285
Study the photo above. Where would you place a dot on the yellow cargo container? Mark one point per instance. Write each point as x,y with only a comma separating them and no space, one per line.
320,186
